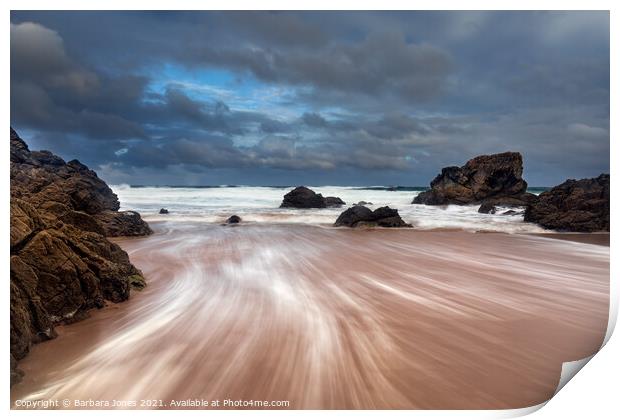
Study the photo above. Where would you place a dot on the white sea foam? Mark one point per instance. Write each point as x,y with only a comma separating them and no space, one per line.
261,205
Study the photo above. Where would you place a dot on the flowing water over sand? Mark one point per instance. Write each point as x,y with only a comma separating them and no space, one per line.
335,318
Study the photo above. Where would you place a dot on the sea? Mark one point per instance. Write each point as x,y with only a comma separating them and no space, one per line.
214,204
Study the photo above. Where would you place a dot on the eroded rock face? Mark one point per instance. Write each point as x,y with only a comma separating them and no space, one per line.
53,186
575,206
61,263
363,216
305,198
123,223
484,177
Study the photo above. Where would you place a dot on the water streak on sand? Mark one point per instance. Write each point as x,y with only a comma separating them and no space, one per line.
334,318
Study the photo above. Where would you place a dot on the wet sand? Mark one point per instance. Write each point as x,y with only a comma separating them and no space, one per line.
335,318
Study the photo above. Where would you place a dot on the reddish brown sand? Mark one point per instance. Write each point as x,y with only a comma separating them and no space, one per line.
335,318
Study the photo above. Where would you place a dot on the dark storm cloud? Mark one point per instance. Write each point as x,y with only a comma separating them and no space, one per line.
382,64
371,97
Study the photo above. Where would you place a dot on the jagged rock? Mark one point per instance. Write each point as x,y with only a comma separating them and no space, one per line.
59,273
487,208
61,264
483,177
363,216
123,223
163,211
51,185
82,221
333,202
234,219
576,206
16,373
303,198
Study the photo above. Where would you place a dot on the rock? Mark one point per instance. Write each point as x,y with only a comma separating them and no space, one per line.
363,203
163,211
234,219
519,200
334,202
483,177
136,281
82,221
61,264
123,223
575,206
16,374
487,208
363,216
53,186
511,213
305,198
354,215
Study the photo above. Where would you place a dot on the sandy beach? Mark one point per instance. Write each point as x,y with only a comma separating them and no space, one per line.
336,318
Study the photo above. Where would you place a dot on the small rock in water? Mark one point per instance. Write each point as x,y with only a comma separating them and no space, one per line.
334,202
305,198
364,203
163,211
364,217
487,208
233,219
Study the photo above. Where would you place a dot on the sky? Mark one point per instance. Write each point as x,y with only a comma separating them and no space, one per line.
314,98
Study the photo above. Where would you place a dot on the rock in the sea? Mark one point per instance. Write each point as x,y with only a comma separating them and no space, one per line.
575,206
363,203
363,216
487,208
163,211
61,263
334,202
484,177
305,198
234,219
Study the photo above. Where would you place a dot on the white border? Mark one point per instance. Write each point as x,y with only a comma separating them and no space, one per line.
592,394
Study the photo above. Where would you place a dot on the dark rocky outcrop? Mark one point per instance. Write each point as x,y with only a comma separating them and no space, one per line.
487,208
48,183
61,264
123,223
488,177
163,211
334,202
362,216
519,200
575,205
305,198
234,219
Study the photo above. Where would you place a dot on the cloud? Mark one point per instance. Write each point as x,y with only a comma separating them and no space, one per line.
37,53
343,97
587,131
